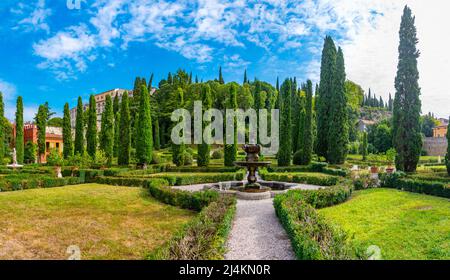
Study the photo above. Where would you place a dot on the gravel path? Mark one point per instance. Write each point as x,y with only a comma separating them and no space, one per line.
257,234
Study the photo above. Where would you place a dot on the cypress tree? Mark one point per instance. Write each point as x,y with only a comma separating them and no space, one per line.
323,103
364,146
178,150
230,150
124,132
41,123
245,77
307,133
116,110
2,129
285,151
338,119
19,130
91,133
390,103
204,149
107,130
67,133
407,105
447,156
144,140
79,128
150,83
221,81
156,135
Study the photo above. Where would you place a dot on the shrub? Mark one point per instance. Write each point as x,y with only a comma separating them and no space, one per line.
187,158
319,179
365,181
156,159
398,181
217,154
204,237
312,237
54,158
21,183
298,158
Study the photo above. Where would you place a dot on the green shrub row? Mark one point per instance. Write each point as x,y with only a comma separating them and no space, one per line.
159,189
312,236
181,179
313,167
204,237
432,176
398,181
190,169
318,179
15,184
88,175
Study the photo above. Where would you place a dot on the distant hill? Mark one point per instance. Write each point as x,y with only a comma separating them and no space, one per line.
374,114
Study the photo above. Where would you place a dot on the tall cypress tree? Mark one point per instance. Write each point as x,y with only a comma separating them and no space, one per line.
79,128
91,133
338,119
447,156
124,132
144,141
323,103
221,81
285,151
407,105
390,103
156,134
204,149
230,149
107,130
116,110
19,130
307,133
41,123
364,146
245,77
67,133
2,129
178,150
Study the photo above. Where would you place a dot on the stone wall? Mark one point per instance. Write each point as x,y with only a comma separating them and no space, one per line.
435,146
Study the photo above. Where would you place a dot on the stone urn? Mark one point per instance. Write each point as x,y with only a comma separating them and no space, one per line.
374,169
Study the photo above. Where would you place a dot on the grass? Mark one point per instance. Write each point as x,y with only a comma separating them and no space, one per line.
105,222
404,225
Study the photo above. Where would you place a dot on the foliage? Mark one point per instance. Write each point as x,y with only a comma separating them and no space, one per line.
407,105
107,131
380,136
285,151
204,149
390,156
41,119
91,132
447,156
79,128
364,146
144,140
19,131
413,185
67,133
217,154
124,132
230,149
54,158
318,179
30,152
2,129
26,182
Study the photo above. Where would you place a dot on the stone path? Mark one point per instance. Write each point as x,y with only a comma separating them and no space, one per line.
257,234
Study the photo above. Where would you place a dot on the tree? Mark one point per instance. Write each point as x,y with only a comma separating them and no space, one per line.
156,135
307,133
323,102
116,110
204,149
285,151
67,133
178,150
364,146
107,131
221,81
124,132
91,133
79,128
407,105
29,155
338,120
447,156
55,122
41,119
245,77
19,130
230,150
2,129
144,140
427,124
390,103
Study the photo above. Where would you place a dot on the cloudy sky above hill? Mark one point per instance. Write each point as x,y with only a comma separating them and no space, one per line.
52,51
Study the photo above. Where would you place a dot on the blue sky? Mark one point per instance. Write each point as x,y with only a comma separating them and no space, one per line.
50,52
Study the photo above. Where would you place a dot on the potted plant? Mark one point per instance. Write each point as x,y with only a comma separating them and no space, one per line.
390,157
55,159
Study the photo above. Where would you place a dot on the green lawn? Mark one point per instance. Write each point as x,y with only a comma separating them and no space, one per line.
105,222
404,225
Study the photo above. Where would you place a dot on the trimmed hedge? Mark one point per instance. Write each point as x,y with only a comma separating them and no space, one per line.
318,179
15,184
312,237
180,179
204,237
190,169
321,167
397,181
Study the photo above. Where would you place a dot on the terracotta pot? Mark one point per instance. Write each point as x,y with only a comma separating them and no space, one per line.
374,169
390,170
58,171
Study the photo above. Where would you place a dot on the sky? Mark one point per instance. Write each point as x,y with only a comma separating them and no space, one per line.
57,50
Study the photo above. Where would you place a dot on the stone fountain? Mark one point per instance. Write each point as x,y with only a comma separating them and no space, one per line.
252,164
14,165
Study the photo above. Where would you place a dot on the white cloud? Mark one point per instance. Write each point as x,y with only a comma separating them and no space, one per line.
234,62
36,20
9,98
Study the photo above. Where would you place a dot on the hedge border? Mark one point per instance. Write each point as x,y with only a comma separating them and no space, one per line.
398,181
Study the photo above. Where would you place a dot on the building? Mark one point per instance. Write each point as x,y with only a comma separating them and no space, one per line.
364,124
100,102
435,146
440,131
53,138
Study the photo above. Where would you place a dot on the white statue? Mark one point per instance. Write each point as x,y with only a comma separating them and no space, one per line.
14,157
